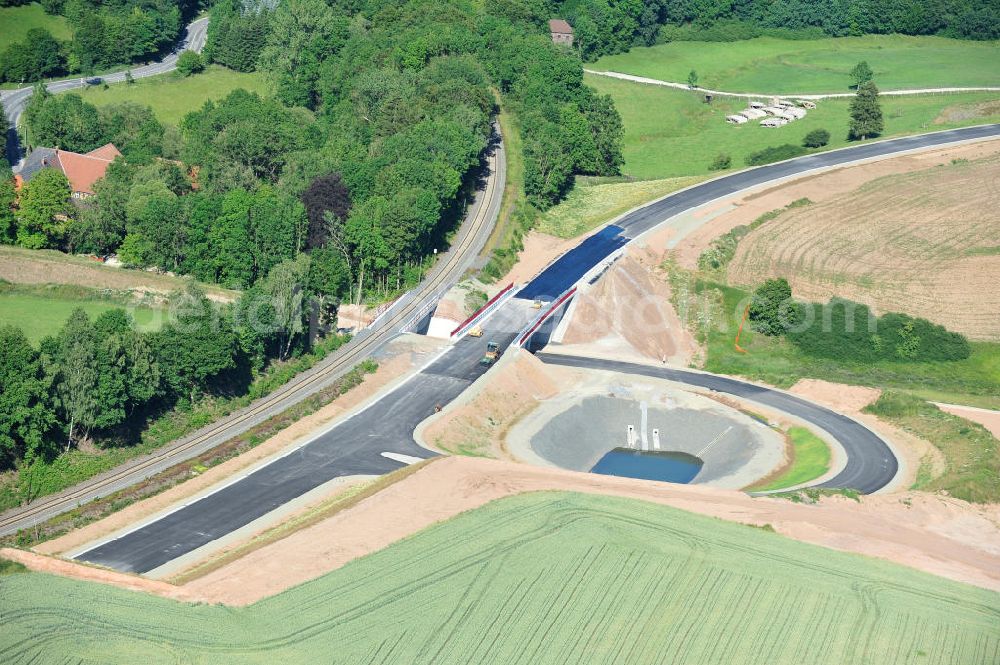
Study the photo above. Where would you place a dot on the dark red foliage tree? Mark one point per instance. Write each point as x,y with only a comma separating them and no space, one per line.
326,194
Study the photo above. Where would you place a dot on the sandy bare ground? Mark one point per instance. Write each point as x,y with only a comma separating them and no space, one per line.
631,302
477,422
540,250
939,535
986,417
817,188
48,564
401,358
924,242
23,266
934,534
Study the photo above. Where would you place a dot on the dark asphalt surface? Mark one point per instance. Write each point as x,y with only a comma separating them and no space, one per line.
646,218
355,446
574,264
870,463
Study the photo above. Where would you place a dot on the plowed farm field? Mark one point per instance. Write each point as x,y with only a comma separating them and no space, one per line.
538,578
925,243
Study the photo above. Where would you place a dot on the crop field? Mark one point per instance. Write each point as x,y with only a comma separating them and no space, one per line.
767,65
590,204
926,243
671,133
810,461
16,21
538,578
172,96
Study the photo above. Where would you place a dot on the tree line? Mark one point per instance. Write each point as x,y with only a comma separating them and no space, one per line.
103,380
613,26
848,331
105,33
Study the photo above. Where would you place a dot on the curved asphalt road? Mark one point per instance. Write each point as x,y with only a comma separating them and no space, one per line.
870,463
15,101
356,445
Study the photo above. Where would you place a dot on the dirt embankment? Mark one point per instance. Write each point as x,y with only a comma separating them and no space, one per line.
628,309
23,266
476,423
935,534
986,417
941,536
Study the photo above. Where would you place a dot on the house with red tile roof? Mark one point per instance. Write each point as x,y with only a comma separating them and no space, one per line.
562,32
82,170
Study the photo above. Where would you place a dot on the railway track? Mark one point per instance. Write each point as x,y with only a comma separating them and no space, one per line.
449,270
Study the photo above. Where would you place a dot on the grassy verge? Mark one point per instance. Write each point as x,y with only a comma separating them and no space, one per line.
810,459
672,133
517,216
42,310
971,454
350,497
8,567
15,22
594,201
769,65
172,96
44,478
713,312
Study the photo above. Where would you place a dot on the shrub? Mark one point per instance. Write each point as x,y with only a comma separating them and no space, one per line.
772,310
774,154
722,162
848,331
817,138
189,63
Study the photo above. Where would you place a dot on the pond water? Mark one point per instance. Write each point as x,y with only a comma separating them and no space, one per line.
671,467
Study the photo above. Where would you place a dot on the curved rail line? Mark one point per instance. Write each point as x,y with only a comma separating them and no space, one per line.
292,392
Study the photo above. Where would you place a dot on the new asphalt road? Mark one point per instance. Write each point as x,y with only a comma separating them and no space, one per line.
356,446
15,101
870,463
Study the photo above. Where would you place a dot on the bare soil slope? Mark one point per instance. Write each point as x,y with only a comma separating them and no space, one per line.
926,243
631,302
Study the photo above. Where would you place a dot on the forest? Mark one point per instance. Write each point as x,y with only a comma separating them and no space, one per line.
605,27
105,33
337,189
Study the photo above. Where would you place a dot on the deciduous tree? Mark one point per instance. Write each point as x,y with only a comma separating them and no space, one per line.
43,210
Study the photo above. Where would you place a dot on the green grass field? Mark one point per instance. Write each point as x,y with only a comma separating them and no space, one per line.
811,459
671,133
39,315
591,203
538,578
767,65
172,96
16,21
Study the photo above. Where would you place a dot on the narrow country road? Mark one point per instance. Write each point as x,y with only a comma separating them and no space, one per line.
787,95
15,101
